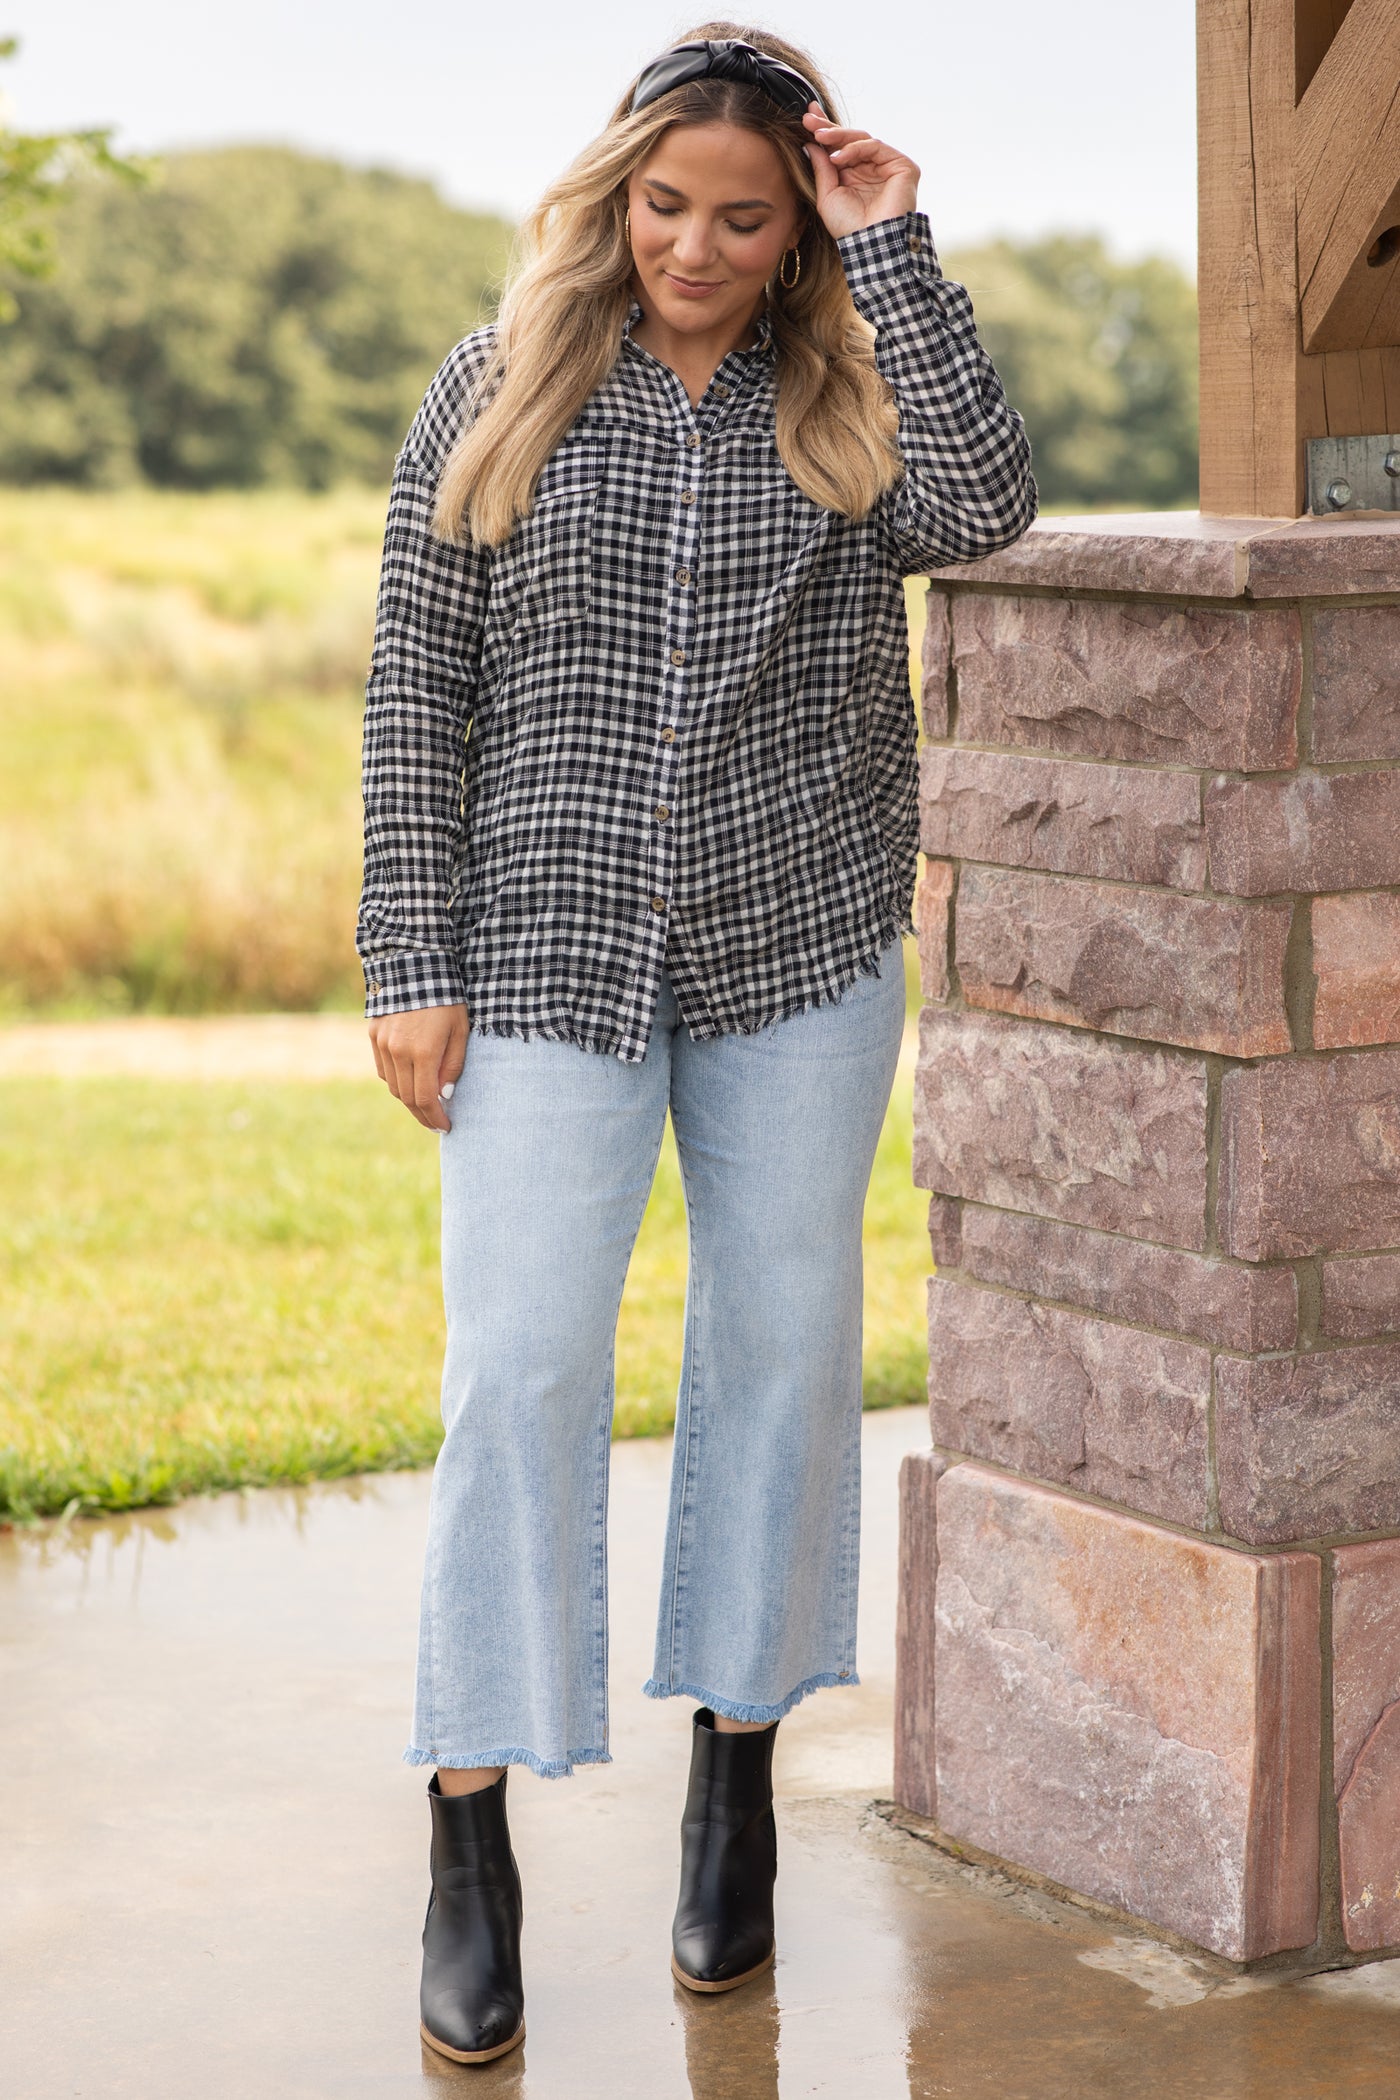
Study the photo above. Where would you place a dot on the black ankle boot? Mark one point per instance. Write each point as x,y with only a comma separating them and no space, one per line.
472,2000
723,1932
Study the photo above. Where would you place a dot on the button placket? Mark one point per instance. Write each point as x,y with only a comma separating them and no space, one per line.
679,648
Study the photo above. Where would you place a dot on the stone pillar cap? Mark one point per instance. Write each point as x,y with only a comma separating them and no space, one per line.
1179,553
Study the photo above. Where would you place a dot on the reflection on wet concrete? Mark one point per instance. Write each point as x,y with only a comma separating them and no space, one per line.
212,1864
731,2042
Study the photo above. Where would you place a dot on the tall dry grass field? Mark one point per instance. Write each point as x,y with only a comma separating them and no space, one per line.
180,687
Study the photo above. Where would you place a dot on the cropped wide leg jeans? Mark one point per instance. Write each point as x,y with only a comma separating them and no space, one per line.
545,1176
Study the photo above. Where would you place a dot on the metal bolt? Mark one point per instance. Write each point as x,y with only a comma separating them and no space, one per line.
1339,494
1391,464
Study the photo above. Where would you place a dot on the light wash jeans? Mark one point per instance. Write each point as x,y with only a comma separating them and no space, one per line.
545,1176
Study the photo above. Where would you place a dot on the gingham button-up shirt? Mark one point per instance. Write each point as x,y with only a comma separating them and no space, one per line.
668,722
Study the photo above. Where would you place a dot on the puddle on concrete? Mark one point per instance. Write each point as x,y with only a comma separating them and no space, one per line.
1168,1978
1376,1983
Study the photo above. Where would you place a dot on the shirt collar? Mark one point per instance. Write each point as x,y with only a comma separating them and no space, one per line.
762,342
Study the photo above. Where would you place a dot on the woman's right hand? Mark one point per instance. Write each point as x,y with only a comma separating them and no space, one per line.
417,1054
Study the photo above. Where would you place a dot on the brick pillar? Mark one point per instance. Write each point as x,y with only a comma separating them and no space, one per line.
1152,1566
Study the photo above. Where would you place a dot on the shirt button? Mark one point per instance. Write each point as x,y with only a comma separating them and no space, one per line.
687,495
668,736
722,390
658,904
693,440
661,813
682,576
375,989
678,656
916,242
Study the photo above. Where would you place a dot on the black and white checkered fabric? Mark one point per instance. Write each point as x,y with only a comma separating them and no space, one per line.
668,721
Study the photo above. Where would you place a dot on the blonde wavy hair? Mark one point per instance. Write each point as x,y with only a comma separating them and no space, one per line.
561,321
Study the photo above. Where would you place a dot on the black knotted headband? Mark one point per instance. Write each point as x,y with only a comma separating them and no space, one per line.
725,59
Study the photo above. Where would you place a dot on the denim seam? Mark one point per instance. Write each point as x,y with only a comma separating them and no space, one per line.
600,1550
851,1571
600,1687
600,1518
430,1616
689,1423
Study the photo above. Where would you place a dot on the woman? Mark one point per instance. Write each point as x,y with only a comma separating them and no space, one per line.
641,816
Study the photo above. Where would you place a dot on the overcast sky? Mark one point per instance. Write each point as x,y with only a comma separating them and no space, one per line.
1022,116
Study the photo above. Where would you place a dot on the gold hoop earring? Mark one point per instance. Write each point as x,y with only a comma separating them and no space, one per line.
787,283
627,225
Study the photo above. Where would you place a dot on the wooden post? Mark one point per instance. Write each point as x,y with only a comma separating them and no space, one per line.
1299,123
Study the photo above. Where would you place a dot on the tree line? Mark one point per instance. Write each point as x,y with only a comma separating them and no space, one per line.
255,315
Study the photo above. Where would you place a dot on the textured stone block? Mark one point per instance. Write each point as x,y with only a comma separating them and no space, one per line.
1365,1649
1366,1738
1309,1445
1133,1713
1356,682
1223,1302
1186,970
1361,1297
1326,558
1369,1842
945,1230
936,664
1356,956
1125,823
1178,552
1310,1156
1042,1119
1109,1410
1183,684
1167,552
931,916
915,1775
1319,831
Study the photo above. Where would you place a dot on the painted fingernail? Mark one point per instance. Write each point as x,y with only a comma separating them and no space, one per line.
448,1091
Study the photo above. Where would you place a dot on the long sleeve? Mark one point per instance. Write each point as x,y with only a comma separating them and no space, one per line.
418,709
967,488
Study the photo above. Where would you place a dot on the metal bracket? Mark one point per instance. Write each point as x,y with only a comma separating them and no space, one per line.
1353,473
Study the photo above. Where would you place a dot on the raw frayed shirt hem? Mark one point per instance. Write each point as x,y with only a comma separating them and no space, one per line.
615,1043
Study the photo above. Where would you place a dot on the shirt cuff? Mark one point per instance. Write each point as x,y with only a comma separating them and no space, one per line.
876,253
395,984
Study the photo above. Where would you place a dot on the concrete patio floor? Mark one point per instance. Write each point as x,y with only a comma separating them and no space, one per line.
212,1864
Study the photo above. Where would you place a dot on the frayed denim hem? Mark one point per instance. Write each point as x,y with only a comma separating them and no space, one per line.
542,1767
734,1710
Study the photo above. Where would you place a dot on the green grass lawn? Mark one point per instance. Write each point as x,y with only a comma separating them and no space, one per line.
227,1285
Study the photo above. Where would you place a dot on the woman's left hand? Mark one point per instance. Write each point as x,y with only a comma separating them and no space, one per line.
859,179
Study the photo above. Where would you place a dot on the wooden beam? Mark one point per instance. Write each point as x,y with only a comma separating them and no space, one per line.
1262,394
1364,309
1346,155
1246,68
